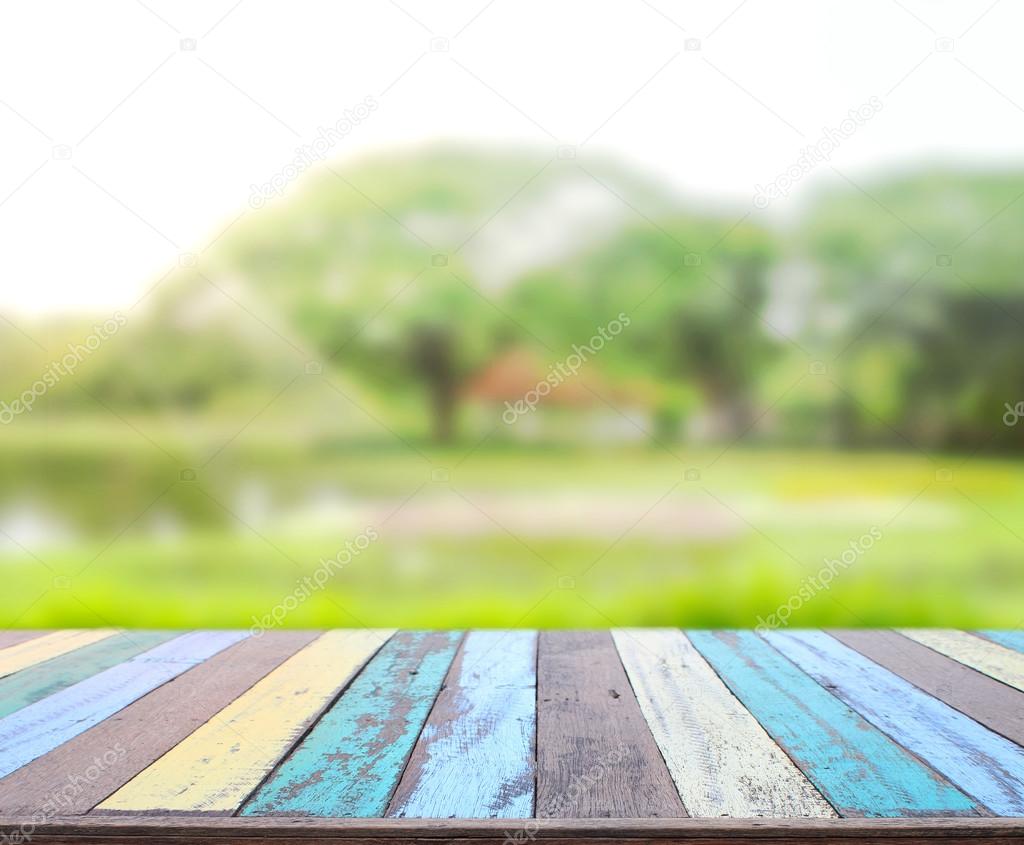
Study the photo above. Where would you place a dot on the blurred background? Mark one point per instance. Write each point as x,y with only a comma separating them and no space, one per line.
545,315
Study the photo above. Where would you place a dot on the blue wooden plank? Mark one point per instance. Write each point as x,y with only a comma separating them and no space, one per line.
350,763
34,730
856,767
475,757
983,764
43,679
1010,639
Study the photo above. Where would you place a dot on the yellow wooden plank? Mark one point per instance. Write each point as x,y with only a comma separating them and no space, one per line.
994,660
17,657
215,768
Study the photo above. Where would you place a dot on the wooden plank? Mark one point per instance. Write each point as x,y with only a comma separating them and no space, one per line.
220,764
722,761
596,756
857,767
37,649
20,635
43,679
144,730
1009,639
996,661
985,765
475,756
180,830
984,699
34,730
350,762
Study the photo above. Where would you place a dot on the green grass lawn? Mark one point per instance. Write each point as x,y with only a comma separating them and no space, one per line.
669,548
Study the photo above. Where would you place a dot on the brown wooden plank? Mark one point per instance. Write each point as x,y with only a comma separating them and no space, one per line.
13,637
130,740
710,831
596,757
994,704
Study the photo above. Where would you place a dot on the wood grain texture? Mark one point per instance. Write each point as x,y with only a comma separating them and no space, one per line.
37,649
857,767
40,727
475,757
220,764
145,729
134,830
722,761
596,757
19,635
350,762
985,765
1009,639
984,699
43,679
996,661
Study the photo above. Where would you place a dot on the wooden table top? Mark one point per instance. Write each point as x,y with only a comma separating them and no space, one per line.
511,736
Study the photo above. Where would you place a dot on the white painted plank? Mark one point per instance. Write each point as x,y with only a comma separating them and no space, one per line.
994,660
721,759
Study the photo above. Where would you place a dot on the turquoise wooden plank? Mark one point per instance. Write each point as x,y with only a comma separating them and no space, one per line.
36,682
475,757
350,763
983,764
1010,639
856,767
40,727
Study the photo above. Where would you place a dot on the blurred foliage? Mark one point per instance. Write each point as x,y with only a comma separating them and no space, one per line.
323,360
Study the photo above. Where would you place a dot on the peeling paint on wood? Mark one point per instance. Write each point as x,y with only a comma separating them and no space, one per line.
997,661
216,768
34,730
350,763
722,761
1009,639
43,679
475,756
973,693
14,658
596,756
983,764
858,768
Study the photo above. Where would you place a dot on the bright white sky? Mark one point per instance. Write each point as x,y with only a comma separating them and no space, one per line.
166,143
